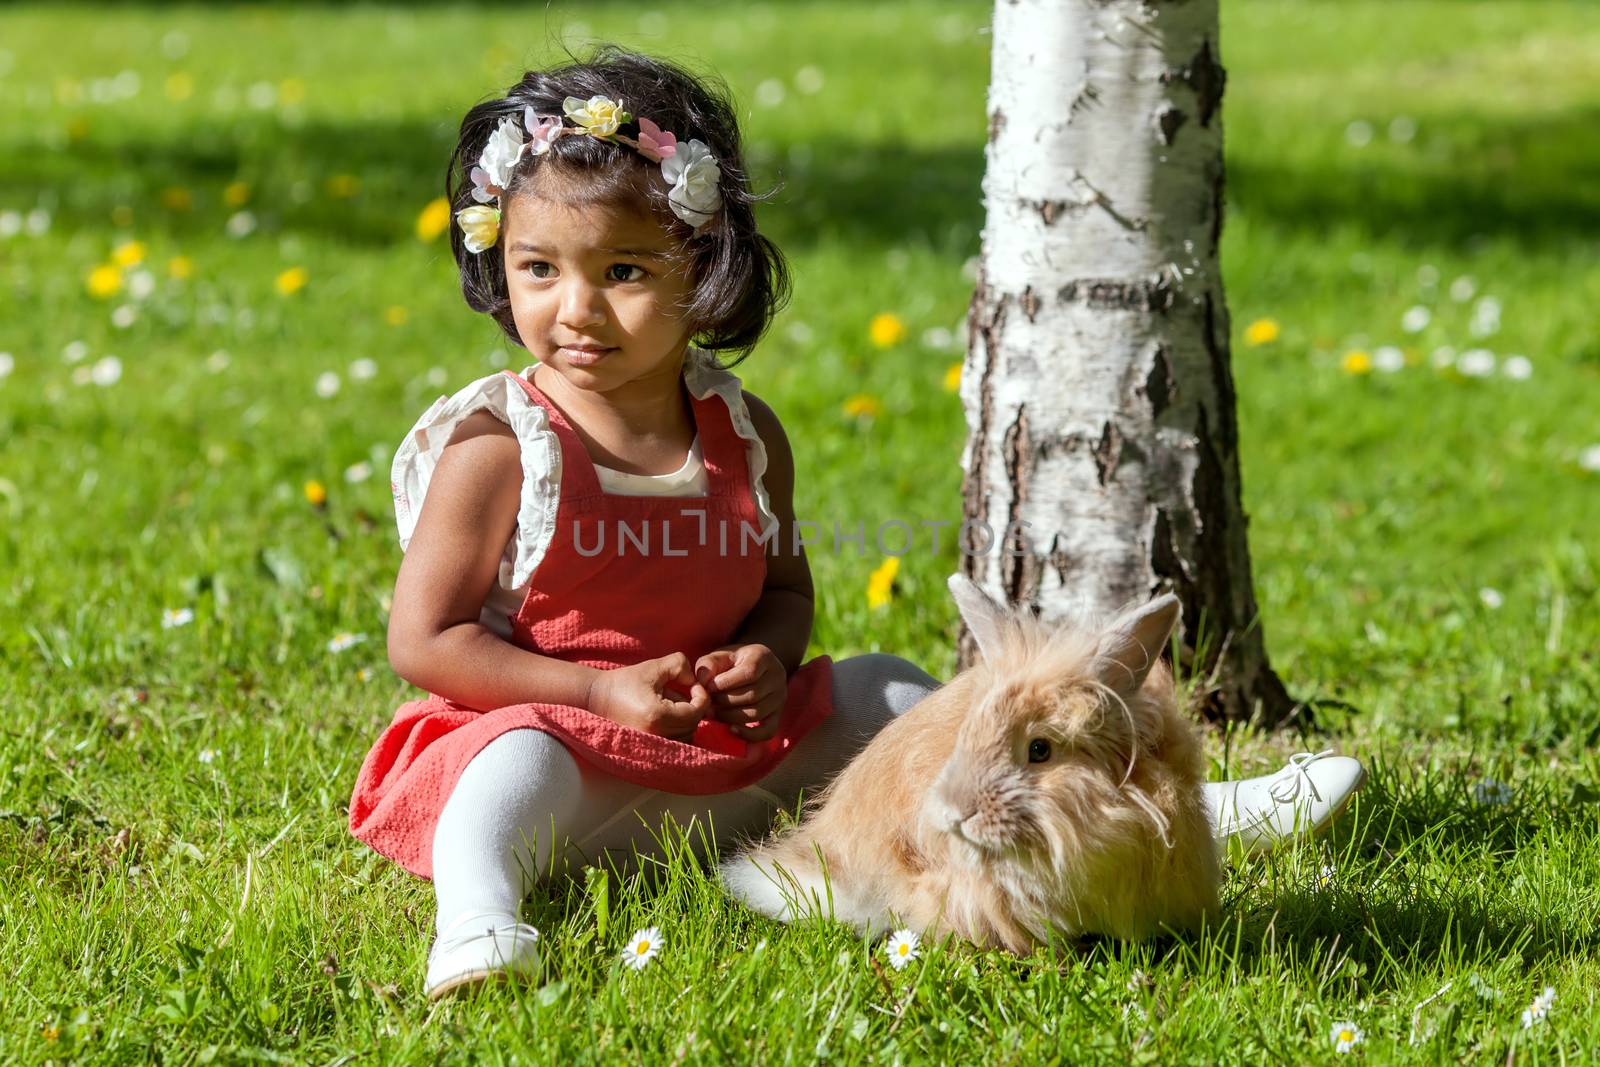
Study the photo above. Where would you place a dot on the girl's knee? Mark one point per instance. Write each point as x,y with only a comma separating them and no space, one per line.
521,770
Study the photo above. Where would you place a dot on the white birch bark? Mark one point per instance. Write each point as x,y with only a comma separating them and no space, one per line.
1097,387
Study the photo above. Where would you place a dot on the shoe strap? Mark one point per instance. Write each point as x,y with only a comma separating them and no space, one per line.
1294,778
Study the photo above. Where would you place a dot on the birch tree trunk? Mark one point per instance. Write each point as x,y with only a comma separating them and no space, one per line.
1097,388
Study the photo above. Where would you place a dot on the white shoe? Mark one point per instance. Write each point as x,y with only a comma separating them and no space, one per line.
479,948
1258,814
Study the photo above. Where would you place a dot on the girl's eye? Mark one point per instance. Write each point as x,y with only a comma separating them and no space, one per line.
619,272
1038,750
540,269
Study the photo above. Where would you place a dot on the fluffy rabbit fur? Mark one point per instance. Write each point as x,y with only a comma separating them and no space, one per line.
949,821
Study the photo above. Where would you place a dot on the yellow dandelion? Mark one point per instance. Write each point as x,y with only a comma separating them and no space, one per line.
1356,362
128,254
177,198
236,194
863,406
316,493
291,91
291,281
880,583
104,280
77,128
952,377
343,186
395,315
434,219
180,85
1261,332
180,267
50,1033
886,330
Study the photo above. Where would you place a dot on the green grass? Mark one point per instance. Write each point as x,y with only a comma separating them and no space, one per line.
235,920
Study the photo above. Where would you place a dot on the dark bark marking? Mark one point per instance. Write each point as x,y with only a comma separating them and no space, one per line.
1050,210
1030,303
997,122
1106,452
1206,77
1157,293
1017,448
1158,387
1168,122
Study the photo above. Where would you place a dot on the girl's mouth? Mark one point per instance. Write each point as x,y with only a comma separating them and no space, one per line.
583,357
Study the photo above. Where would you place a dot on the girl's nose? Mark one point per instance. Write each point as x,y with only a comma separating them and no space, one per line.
582,305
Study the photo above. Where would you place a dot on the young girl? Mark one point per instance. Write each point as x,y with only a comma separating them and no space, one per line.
601,588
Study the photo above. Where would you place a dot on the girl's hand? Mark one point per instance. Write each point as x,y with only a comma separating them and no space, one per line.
646,697
747,686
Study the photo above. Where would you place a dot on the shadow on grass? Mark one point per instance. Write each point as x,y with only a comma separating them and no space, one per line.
1533,182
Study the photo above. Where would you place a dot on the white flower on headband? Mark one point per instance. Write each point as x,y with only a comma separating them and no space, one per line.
480,226
600,115
500,157
693,173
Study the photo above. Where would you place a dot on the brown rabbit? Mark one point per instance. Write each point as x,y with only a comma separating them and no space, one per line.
1053,786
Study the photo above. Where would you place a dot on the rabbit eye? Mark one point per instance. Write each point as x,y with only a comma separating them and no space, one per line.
1038,750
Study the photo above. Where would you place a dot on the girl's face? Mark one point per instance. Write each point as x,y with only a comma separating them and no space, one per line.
593,294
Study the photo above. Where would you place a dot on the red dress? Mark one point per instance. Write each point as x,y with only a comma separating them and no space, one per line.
673,574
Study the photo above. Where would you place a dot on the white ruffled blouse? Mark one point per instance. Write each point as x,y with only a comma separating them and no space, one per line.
418,455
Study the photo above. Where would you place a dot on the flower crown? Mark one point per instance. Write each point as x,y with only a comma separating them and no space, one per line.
690,169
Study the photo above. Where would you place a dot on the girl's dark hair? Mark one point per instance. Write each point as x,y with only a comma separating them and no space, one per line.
739,278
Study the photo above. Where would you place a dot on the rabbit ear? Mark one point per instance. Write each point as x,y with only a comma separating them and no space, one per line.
985,618
1133,642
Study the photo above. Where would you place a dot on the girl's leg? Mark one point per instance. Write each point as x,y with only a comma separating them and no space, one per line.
514,801
868,692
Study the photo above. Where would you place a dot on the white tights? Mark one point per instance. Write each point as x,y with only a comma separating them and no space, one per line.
525,793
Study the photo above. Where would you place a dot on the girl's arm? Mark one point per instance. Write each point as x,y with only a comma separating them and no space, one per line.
781,619
435,639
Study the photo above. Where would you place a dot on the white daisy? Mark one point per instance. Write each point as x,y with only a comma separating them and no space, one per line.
74,351
358,472
1345,1036
342,641
363,369
218,361
642,947
240,224
1462,288
1589,458
1389,359
124,316
1416,319
1517,368
175,617
1476,363
206,755
8,363
327,384
1491,598
902,948
107,371
1536,1011
1358,133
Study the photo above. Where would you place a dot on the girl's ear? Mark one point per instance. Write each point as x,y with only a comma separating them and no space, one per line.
986,619
1132,643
